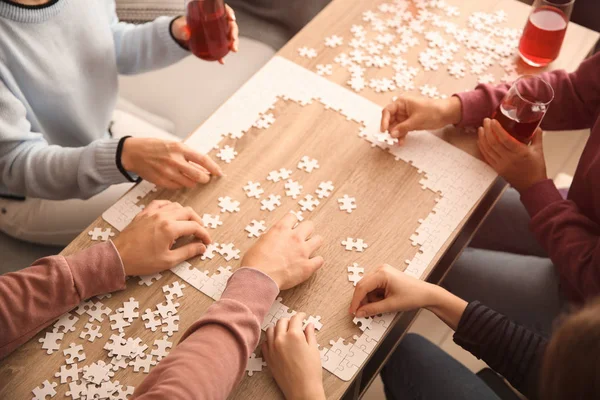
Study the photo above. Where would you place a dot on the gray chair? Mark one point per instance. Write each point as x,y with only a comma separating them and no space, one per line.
16,255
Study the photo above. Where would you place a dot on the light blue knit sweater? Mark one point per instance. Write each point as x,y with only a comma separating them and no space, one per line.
58,87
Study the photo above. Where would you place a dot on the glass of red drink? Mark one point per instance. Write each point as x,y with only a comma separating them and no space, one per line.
524,106
209,28
544,31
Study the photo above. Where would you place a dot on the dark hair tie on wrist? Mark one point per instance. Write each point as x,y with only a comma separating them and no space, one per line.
118,160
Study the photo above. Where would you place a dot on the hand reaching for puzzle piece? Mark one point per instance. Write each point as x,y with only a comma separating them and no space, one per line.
285,253
293,358
145,246
413,113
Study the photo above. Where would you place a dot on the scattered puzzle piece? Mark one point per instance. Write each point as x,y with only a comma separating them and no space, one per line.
308,164
46,389
93,331
227,204
255,364
100,234
356,244
347,204
255,228
74,353
271,202
227,154
308,203
354,272
325,189
50,341
211,221
253,189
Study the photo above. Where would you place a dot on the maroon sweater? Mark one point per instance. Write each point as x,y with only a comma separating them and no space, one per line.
568,229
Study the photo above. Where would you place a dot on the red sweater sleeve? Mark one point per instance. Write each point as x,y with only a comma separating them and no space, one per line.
571,239
212,355
33,298
576,98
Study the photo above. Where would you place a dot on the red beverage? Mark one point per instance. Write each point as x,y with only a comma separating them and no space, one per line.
209,29
543,36
522,128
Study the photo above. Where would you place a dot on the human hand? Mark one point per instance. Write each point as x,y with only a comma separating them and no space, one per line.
411,113
519,164
171,165
294,360
181,31
145,246
389,290
285,253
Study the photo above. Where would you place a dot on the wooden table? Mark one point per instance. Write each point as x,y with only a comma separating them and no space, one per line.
29,366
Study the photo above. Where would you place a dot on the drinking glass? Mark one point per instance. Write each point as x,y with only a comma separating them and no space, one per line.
209,28
524,106
544,31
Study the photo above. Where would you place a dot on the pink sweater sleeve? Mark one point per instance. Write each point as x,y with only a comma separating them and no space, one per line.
212,355
576,98
571,239
33,298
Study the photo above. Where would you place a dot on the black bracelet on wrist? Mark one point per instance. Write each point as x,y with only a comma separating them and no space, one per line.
118,160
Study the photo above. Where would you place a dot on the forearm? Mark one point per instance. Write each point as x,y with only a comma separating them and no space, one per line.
510,349
212,355
446,306
145,47
33,298
574,105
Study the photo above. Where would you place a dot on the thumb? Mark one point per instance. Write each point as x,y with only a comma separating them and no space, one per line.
401,129
379,307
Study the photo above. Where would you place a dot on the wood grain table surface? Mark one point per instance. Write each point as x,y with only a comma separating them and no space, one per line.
391,202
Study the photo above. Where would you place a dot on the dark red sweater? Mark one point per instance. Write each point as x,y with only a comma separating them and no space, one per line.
568,229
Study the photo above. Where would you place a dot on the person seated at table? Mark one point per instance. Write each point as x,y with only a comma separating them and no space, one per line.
533,255
58,89
212,354
564,367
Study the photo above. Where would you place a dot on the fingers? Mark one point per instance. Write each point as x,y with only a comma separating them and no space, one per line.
177,177
193,172
367,284
504,138
270,335
296,322
400,130
282,326
266,352
314,243
305,229
385,118
203,160
309,333
288,221
379,307
187,251
487,148
154,206
189,228
315,263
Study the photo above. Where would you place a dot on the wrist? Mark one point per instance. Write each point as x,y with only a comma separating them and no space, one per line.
436,297
127,153
451,110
